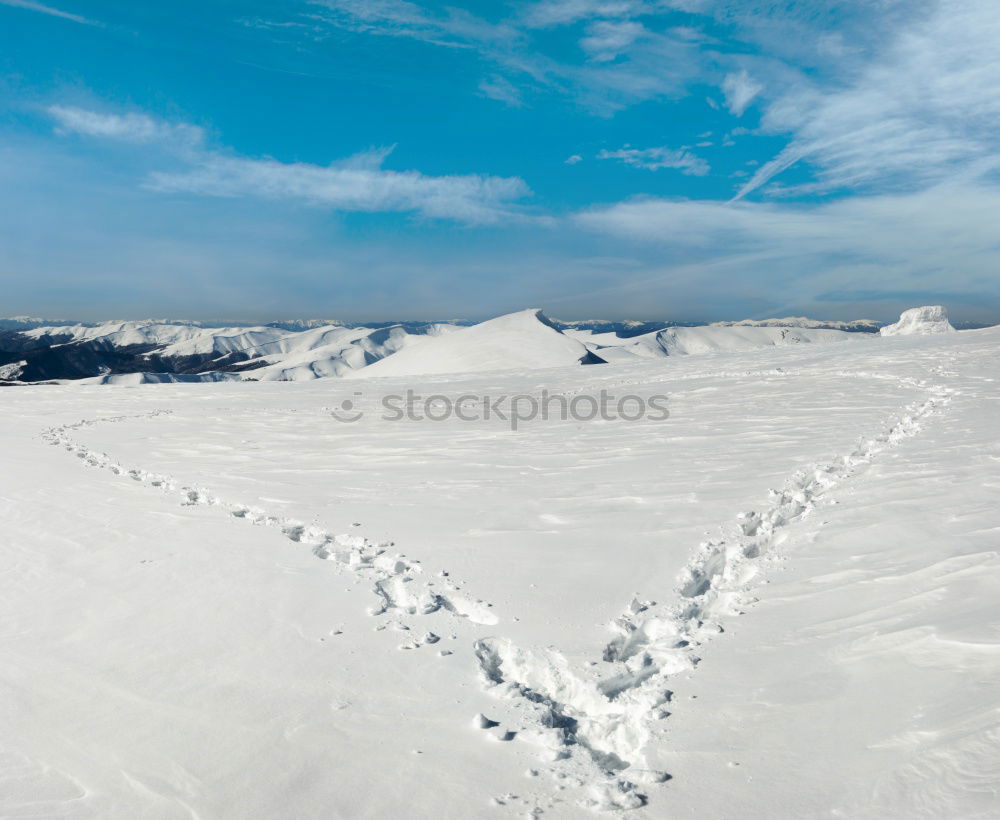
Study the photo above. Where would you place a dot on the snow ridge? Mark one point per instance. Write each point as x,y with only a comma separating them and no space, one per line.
594,729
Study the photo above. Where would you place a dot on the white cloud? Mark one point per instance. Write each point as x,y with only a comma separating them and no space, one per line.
137,128
349,186
740,89
881,250
497,87
948,228
400,18
52,12
573,159
551,13
653,159
922,110
655,63
606,40
548,13
358,183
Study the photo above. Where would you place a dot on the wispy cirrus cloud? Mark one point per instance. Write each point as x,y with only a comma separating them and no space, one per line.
896,245
400,18
946,227
551,13
497,87
740,90
357,183
29,5
921,111
129,127
655,159
625,62
607,39
471,198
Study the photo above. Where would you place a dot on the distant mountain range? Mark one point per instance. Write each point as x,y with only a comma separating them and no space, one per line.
35,350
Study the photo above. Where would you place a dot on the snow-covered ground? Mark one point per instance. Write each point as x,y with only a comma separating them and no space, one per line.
220,601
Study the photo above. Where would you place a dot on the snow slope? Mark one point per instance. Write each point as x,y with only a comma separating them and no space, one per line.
332,352
517,341
220,601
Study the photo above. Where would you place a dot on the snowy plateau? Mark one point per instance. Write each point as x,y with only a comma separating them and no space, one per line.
219,600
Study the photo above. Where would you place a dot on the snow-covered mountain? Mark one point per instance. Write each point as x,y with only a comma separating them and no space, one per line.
518,341
689,341
159,350
626,328
335,351
853,326
21,322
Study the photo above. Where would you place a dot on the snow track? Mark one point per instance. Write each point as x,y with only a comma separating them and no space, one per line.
397,580
594,727
592,724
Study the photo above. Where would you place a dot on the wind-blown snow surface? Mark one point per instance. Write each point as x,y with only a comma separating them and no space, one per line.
218,601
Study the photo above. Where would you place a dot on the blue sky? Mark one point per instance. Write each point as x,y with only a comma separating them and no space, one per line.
671,159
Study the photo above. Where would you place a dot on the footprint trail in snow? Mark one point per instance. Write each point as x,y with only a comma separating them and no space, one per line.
398,581
591,726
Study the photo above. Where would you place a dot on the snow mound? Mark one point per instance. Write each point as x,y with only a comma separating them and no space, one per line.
517,341
920,321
